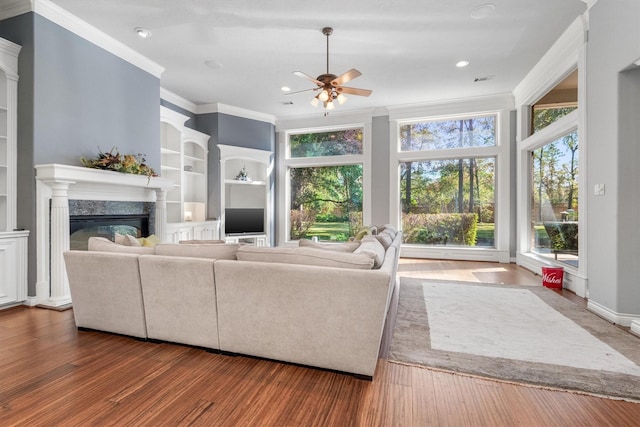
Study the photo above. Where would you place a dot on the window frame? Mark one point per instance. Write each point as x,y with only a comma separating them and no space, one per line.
501,108
286,162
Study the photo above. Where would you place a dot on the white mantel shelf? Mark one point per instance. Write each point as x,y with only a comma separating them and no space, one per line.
77,174
55,186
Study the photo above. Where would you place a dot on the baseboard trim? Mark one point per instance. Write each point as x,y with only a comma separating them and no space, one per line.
622,319
635,327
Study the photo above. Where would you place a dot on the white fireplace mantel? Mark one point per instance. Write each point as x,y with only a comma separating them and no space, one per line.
55,186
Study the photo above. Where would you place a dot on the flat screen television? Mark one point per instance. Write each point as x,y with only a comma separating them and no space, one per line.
244,221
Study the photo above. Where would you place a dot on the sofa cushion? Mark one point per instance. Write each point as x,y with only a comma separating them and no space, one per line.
305,256
338,247
102,244
372,247
210,251
385,238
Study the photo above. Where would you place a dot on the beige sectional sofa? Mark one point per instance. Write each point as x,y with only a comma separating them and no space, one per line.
311,305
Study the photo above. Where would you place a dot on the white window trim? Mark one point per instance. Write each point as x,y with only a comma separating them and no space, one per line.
285,162
567,54
501,153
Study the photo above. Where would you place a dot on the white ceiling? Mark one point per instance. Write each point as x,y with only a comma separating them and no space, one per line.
405,49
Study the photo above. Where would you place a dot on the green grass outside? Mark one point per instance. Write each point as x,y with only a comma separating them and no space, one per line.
328,231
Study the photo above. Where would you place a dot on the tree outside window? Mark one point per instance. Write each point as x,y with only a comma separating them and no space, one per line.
448,201
326,200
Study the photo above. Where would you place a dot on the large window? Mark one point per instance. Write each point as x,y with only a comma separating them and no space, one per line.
325,184
554,196
447,187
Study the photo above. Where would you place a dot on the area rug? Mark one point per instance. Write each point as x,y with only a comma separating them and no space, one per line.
522,334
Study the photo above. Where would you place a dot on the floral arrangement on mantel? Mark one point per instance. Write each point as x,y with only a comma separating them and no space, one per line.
125,163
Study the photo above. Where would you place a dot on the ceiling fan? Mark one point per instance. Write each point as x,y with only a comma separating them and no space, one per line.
331,86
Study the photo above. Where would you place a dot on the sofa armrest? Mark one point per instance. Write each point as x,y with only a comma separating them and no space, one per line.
106,292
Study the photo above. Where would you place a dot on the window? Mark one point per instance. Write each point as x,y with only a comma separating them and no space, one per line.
557,103
554,196
335,143
448,202
326,202
444,134
325,183
447,184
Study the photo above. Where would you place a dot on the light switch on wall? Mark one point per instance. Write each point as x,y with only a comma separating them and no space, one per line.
598,189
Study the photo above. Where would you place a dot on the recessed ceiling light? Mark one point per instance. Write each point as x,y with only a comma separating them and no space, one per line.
213,64
142,32
482,11
285,89
461,64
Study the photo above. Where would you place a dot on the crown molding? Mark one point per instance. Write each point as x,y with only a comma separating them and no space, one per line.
235,111
177,100
318,121
72,23
554,65
498,102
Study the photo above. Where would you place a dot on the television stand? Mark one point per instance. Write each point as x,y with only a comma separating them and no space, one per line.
250,239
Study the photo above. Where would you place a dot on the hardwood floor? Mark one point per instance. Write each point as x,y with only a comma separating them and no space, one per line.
51,374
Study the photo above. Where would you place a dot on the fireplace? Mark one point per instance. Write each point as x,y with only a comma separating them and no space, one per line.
104,218
64,192
82,227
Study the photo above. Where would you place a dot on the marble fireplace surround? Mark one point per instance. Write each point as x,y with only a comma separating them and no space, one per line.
55,186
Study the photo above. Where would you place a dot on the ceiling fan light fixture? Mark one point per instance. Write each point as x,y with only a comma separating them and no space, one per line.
314,101
324,95
329,105
341,99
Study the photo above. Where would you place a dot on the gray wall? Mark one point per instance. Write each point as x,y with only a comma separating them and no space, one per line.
613,234
380,205
74,99
240,132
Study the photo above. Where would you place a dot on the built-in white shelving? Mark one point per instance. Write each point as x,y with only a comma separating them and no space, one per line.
249,192
13,243
184,154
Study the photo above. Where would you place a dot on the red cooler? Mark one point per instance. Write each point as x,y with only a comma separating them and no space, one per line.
552,277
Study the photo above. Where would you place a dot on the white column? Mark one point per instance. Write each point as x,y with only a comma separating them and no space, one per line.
161,214
59,226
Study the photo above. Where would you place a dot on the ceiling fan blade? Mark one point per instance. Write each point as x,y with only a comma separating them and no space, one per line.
354,91
308,77
345,77
300,91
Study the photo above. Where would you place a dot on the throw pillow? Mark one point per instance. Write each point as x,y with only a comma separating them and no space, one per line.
130,241
150,241
385,238
390,229
371,246
198,242
102,244
338,247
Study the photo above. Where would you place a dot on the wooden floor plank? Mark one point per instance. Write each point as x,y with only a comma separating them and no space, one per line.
53,375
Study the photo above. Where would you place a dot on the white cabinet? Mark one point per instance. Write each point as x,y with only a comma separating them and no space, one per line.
13,267
207,230
184,161
13,244
244,190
